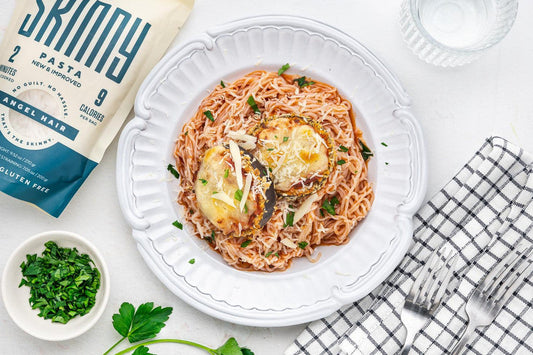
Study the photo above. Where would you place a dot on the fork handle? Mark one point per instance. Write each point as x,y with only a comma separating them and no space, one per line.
467,334
410,336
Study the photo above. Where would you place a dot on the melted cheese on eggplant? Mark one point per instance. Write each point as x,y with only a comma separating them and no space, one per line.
215,193
294,151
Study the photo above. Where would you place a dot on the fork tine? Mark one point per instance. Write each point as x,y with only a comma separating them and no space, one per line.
488,281
421,276
512,283
493,288
447,279
429,281
437,277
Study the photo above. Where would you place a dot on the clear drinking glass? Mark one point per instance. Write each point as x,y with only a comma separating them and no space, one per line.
455,32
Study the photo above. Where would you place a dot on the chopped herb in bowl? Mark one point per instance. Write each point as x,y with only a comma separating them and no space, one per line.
63,283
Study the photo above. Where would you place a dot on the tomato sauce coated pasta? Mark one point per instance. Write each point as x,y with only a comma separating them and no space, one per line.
338,206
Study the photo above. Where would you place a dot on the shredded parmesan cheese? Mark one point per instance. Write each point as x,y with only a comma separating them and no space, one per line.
305,207
236,156
222,196
246,191
288,243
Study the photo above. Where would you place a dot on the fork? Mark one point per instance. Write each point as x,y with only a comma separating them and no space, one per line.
426,295
489,297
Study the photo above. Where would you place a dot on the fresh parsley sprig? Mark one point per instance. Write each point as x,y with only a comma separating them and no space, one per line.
146,322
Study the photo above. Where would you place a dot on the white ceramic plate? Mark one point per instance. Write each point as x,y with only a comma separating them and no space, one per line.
305,292
16,298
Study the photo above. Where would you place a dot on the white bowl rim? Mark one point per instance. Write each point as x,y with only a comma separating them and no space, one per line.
104,276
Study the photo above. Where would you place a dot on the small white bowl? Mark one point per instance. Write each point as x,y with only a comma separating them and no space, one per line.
16,299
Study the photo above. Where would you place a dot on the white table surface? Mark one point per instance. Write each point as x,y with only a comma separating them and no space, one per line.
457,108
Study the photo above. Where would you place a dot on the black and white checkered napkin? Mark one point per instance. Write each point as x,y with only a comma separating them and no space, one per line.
482,213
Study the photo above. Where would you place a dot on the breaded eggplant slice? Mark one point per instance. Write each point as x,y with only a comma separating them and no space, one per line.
298,152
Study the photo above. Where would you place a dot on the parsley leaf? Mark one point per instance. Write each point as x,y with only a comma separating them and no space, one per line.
142,350
283,69
231,347
302,245
289,221
334,201
245,208
238,195
192,261
222,84
343,149
302,82
210,238
341,162
173,171
268,254
144,323
177,225
384,144
285,139
209,115
328,207
203,181
253,104
226,173
246,243
365,151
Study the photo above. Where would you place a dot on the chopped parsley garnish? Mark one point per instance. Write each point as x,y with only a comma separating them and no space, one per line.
245,208
386,163
329,207
215,192
268,254
192,261
63,283
334,201
226,174
269,169
289,221
209,115
186,133
285,139
222,84
276,254
210,238
253,104
384,144
177,225
302,82
238,195
365,151
341,162
191,211
322,212
203,181
270,149
343,149
246,243
173,171
302,245
283,69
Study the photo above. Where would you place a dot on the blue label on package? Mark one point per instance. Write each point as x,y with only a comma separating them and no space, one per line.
38,116
30,175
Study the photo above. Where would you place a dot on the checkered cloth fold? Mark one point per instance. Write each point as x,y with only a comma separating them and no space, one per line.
485,211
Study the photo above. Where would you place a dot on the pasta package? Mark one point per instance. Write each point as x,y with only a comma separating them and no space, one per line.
69,72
